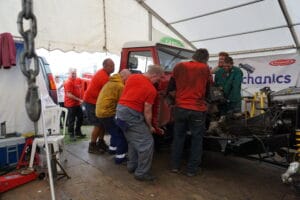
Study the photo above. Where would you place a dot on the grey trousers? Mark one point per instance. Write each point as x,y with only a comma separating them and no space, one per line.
139,138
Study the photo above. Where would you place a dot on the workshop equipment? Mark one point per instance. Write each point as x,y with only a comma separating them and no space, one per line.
15,179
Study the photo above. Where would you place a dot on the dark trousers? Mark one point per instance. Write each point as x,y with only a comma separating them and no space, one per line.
194,121
117,139
230,107
75,118
62,117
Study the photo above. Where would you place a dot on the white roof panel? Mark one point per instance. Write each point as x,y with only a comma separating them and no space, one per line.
90,25
259,40
249,18
174,10
293,7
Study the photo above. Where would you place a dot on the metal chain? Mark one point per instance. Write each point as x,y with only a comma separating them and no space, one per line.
32,100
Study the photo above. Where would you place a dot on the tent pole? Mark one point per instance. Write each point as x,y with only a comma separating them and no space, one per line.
258,50
144,5
289,22
104,26
150,26
216,12
243,33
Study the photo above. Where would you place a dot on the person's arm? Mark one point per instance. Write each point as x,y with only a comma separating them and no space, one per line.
148,116
236,84
214,70
72,96
60,85
171,91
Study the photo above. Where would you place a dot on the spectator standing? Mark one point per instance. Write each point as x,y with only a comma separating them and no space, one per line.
90,98
191,80
60,90
230,79
222,56
134,116
106,111
60,95
73,100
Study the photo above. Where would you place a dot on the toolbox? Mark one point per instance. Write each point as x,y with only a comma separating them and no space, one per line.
10,151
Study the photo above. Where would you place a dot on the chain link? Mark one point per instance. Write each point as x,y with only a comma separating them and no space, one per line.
32,100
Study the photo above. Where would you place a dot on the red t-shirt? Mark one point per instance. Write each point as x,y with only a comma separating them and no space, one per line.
98,81
73,86
138,90
191,79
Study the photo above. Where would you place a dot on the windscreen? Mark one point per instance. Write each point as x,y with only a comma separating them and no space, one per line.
169,56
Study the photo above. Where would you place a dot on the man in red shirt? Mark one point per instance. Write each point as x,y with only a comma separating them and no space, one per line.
191,80
73,99
90,98
134,116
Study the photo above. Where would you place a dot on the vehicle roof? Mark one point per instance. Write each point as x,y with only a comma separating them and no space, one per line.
136,44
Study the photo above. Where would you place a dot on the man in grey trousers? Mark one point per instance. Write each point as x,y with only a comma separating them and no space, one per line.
134,116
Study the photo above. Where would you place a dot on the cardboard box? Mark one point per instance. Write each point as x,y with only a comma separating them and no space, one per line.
10,151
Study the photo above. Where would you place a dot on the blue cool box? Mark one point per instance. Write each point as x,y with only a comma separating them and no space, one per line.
10,151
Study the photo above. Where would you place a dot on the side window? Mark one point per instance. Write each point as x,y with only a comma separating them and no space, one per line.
138,61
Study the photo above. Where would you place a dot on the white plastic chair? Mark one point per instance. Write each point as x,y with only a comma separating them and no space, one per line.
51,126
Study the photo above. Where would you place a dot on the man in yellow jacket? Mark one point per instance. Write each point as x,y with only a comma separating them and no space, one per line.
106,109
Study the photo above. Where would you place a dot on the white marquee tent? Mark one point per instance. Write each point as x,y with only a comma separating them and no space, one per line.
105,25
235,26
219,25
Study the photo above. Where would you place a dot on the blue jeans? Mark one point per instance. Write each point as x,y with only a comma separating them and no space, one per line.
195,122
117,138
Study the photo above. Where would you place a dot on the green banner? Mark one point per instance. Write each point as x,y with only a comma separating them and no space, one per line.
171,41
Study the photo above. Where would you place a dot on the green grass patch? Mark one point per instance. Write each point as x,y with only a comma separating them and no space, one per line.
85,130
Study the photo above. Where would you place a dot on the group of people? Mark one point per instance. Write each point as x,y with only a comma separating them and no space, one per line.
122,105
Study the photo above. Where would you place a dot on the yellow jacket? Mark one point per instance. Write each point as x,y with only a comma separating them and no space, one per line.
109,96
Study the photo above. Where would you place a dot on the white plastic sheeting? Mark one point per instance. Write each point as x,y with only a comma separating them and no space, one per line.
218,25
238,25
13,87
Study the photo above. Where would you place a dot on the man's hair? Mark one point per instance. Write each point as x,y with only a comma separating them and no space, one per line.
201,55
228,60
223,53
124,72
71,70
106,61
155,70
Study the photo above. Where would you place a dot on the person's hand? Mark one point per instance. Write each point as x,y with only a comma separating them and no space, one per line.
152,129
160,131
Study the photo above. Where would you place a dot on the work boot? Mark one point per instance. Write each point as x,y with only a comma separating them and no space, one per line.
102,145
145,177
122,161
93,148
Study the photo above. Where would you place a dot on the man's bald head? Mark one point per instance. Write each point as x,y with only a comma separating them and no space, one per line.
108,65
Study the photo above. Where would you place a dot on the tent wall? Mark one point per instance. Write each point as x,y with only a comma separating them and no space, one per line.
105,25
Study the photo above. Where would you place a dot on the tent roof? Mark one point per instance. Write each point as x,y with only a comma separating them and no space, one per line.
218,25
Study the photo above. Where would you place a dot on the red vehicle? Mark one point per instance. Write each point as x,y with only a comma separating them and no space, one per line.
49,78
137,56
